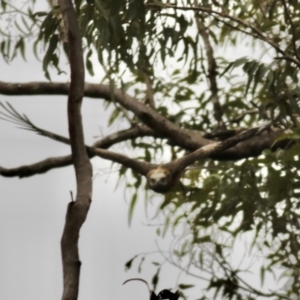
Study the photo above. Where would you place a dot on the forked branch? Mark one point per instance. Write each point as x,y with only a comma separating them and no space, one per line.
238,146
146,114
161,178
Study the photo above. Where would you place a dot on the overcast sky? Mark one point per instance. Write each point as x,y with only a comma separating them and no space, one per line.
33,209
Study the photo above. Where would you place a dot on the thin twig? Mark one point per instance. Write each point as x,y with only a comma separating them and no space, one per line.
222,14
241,116
294,40
212,72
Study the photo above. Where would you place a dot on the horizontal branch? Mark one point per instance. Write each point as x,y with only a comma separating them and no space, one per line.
141,167
63,161
172,169
124,135
37,168
146,114
160,126
213,149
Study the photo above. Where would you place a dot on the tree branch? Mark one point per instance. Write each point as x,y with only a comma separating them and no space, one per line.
63,161
37,168
10,114
146,114
213,149
22,120
212,73
173,168
191,139
77,211
123,135
141,167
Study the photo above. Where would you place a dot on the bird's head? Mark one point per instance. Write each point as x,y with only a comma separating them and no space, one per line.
160,180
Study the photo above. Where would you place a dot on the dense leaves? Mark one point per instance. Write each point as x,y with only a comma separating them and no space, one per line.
160,53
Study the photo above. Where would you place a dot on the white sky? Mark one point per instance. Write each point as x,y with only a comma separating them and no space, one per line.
33,209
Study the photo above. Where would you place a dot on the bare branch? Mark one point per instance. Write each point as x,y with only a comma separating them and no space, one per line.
187,139
37,168
123,135
141,167
77,211
146,114
41,167
10,114
63,161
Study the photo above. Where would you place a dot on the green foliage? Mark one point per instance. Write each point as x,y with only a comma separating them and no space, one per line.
258,59
131,207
